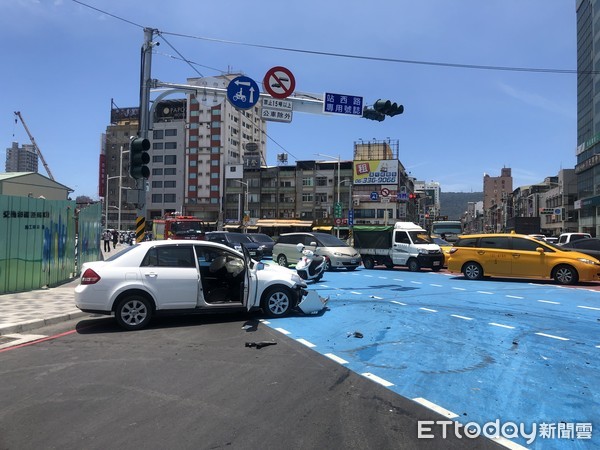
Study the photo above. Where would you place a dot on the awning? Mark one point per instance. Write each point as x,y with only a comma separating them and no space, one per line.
322,228
283,223
254,228
231,227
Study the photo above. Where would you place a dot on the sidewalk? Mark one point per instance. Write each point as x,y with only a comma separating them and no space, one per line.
25,311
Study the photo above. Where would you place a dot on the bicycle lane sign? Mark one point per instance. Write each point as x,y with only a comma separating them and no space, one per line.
243,92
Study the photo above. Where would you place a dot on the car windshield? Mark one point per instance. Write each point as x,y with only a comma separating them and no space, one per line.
440,241
328,240
260,238
239,238
419,237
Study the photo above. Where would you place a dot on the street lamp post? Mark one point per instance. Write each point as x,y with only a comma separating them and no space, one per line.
244,225
120,185
338,183
350,208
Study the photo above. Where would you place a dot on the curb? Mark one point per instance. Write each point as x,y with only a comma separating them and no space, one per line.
38,323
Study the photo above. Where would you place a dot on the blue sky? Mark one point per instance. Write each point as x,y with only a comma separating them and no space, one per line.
63,62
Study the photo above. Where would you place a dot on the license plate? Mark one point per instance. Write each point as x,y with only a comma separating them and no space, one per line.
352,261
436,263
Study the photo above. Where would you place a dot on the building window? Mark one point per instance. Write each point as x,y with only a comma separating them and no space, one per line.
307,197
192,188
157,134
157,158
157,171
156,198
157,146
170,145
157,184
170,184
171,132
321,181
308,181
171,159
169,198
172,171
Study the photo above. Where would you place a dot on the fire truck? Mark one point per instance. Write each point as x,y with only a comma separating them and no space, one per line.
178,227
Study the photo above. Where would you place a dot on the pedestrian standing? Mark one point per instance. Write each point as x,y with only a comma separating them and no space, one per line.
106,236
115,238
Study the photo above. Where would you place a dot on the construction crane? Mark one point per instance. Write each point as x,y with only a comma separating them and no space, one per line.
37,149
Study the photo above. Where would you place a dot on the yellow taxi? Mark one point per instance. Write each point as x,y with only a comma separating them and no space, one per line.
520,256
444,245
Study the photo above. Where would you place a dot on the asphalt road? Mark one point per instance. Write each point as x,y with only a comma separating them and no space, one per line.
193,383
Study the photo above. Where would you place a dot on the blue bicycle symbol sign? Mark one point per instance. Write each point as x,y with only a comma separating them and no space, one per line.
243,92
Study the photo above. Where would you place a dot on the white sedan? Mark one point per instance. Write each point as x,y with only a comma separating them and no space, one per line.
189,277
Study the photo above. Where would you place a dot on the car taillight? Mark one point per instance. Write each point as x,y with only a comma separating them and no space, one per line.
90,277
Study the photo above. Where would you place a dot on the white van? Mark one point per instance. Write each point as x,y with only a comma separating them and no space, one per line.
403,244
565,238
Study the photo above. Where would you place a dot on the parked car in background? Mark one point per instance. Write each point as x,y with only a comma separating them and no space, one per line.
235,241
337,253
519,255
444,245
565,238
188,276
552,239
540,237
589,246
265,241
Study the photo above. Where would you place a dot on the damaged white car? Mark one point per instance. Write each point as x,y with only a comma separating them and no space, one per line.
156,277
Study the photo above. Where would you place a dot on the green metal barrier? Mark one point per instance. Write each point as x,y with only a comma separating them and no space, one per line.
37,243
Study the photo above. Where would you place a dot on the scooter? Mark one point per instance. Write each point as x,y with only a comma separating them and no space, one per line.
310,266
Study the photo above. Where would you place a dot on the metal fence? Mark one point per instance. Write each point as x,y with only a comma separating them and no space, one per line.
38,242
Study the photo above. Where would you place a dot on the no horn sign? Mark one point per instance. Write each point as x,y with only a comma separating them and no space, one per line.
279,82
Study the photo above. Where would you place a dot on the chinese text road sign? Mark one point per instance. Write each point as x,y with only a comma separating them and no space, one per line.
276,110
343,104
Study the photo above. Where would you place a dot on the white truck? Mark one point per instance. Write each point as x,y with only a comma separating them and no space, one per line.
403,244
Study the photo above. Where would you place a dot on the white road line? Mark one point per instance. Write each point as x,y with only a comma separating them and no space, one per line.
282,330
398,279
416,282
597,346
356,292
326,286
589,307
461,317
459,289
398,303
427,309
548,301
552,336
369,276
382,278
502,326
307,343
438,409
18,339
515,296
378,298
436,285
266,322
337,359
485,292
376,379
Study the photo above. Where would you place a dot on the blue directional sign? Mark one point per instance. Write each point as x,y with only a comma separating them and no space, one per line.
243,92
374,196
343,104
351,218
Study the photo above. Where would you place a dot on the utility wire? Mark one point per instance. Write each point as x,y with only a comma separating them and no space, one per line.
180,55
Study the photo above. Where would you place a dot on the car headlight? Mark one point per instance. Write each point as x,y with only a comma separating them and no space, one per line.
339,255
296,278
423,250
588,261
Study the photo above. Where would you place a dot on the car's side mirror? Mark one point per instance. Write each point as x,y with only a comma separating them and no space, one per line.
539,250
260,266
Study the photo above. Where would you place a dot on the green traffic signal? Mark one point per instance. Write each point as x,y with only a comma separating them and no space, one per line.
139,157
388,108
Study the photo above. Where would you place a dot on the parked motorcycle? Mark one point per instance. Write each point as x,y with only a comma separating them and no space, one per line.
310,266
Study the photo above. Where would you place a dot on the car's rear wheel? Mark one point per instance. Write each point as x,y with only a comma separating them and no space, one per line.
133,312
277,301
565,275
328,266
472,271
368,262
282,260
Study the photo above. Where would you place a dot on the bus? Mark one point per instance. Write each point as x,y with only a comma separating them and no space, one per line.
178,227
448,230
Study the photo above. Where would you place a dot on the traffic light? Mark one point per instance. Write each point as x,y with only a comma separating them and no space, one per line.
138,158
371,114
388,108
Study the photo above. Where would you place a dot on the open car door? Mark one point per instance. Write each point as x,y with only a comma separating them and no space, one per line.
247,278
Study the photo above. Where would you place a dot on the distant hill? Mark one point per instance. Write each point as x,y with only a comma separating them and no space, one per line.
454,204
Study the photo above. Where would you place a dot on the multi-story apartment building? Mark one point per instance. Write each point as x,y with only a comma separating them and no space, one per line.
21,159
588,117
496,192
